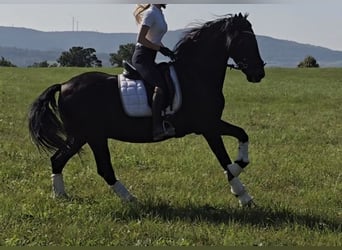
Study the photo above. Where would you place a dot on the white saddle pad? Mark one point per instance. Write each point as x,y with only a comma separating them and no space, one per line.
134,97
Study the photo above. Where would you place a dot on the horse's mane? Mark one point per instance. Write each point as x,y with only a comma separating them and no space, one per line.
226,25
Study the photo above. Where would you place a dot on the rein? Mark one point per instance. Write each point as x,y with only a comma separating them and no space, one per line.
236,66
239,66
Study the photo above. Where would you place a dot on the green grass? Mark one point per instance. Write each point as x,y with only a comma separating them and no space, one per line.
293,118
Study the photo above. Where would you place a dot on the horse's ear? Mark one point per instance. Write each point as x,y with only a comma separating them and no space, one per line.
240,15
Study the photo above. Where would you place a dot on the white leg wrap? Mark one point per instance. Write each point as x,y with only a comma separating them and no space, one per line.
243,152
122,192
235,169
245,200
58,185
238,189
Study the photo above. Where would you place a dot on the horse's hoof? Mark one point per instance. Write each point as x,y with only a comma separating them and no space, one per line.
245,200
249,204
60,196
132,200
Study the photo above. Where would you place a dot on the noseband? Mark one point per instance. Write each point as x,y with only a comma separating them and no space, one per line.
242,65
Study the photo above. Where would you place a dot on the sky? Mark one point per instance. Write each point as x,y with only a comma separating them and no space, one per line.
316,22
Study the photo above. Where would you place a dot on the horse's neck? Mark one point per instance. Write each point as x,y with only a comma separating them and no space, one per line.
208,71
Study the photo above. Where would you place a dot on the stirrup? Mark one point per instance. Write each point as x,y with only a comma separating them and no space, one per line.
168,128
167,131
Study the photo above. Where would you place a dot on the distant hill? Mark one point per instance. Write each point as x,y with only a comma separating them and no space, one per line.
24,47
283,53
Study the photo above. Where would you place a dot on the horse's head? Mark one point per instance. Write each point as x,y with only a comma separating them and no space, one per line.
215,41
244,50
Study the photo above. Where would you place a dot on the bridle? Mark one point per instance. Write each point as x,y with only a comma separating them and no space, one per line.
238,66
242,64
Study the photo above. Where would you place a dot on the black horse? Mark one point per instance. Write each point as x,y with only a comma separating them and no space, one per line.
89,108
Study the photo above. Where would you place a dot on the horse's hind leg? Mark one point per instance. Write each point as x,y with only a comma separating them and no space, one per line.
105,169
58,162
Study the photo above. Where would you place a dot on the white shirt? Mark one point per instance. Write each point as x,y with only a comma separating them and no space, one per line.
154,18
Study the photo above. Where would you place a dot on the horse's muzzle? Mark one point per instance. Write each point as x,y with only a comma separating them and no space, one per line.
255,76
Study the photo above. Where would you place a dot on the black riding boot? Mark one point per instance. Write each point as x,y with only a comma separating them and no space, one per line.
159,129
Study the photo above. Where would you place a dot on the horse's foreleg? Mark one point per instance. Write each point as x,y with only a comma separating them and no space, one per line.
237,188
105,169
217,146
58,162
242,159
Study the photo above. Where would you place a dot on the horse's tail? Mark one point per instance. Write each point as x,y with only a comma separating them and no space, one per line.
45,126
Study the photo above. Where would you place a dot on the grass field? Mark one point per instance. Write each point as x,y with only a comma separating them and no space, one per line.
293,118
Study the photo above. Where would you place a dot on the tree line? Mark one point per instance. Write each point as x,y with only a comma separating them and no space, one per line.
86,57
78,56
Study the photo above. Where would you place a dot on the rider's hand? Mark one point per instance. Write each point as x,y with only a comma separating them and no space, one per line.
167,52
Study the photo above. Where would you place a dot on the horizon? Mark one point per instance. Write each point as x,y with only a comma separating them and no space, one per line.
99,32
33,46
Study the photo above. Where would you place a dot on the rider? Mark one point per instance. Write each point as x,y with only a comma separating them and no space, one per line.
153,26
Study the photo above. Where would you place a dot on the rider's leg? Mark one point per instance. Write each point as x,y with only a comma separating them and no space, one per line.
160,130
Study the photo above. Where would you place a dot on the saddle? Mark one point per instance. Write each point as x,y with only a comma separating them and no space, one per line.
136,96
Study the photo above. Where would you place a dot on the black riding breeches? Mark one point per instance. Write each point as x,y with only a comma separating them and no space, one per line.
144,61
